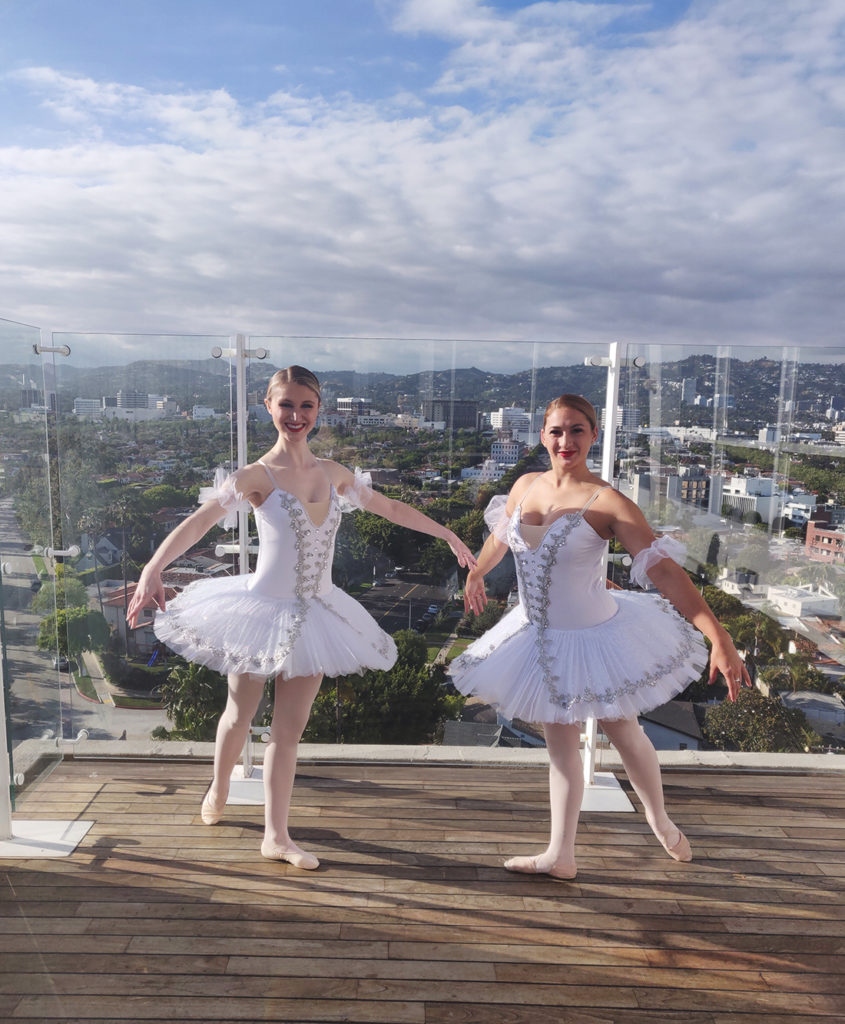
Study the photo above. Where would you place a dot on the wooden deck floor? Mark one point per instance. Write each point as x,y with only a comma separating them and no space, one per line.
157,918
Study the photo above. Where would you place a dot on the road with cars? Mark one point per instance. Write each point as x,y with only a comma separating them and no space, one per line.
403,602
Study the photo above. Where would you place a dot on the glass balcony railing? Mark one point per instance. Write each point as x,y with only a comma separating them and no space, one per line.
107,439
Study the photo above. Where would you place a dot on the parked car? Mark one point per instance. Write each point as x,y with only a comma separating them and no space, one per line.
433,609
61,663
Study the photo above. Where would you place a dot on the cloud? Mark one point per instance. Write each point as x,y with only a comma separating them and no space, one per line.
563,178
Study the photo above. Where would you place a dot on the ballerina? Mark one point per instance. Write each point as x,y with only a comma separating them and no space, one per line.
286,620
572,649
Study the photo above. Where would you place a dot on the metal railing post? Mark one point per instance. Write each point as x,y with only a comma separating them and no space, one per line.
612,362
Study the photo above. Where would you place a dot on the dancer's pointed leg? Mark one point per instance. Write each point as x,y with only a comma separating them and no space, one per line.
244,697
639,759
291,709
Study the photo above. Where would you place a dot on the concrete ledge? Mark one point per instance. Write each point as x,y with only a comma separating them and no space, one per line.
328,753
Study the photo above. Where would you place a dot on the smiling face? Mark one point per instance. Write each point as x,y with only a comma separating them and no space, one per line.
567,437
294,408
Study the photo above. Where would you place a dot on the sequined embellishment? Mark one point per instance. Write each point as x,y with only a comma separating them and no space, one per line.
314,547
534,569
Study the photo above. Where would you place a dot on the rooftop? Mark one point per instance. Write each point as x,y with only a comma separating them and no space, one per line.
411,918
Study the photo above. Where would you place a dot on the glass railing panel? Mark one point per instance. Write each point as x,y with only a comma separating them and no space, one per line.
442,425
142,422
33,673
739,450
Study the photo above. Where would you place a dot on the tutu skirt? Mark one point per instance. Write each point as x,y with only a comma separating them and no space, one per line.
228,627
638,659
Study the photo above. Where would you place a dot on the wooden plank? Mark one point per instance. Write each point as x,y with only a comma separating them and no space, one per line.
412,918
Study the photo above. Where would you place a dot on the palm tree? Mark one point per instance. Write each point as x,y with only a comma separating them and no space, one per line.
94,522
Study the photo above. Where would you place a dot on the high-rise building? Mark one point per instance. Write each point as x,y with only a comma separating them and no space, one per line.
457,414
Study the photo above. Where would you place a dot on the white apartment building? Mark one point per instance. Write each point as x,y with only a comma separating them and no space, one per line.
522,425
506,451
487,472
89,408
798,602
747,494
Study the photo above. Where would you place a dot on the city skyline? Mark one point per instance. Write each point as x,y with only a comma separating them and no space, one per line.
397,169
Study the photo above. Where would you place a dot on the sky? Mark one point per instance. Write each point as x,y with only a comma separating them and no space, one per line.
667,172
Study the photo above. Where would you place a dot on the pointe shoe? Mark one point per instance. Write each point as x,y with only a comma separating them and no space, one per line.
529,866
298,858
680,851
209,813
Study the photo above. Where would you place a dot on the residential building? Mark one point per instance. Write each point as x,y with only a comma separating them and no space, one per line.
798,602
825,543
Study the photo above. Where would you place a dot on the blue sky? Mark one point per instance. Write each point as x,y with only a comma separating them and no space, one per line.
668,172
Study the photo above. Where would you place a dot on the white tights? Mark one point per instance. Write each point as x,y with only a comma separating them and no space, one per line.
291,708
566,784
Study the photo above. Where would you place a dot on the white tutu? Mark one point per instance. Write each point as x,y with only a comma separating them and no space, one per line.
286,618
641,657
222,624
572,649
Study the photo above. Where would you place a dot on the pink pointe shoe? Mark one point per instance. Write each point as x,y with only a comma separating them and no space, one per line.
681,850
210,812
291,855
531,866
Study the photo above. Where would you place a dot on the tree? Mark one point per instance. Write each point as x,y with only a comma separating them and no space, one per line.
94,522
758,723
404,705
475,625
193,698
73,630
795,672
68,591
760,636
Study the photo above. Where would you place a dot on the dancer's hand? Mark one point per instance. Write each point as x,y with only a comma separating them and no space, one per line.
148,593
725,660
475,596
463,554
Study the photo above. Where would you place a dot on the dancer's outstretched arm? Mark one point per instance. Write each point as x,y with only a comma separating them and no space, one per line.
398,512
150,589
630,527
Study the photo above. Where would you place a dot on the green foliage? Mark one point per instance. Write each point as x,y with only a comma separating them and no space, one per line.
794,672
758,723
193,697
67,592
73,630
474,625
405,705
164,496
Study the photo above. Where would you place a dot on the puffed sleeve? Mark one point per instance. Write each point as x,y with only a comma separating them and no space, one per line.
225,492
357,494
496,517
660,548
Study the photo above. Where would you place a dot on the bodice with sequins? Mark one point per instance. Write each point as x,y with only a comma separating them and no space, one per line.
562,577
294,553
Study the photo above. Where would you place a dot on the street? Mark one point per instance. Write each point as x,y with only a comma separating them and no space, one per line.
399,603
43,702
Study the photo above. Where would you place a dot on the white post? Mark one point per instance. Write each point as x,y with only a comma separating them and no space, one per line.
612,362
241,354
5,774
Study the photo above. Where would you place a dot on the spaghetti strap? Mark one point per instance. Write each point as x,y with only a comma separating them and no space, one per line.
592,498
524,496
266,469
